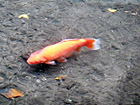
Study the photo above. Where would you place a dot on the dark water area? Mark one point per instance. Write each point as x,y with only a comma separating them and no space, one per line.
109,76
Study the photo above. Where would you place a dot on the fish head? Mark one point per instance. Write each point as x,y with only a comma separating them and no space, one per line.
36,58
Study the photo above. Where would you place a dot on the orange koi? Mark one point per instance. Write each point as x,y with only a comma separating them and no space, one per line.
62,50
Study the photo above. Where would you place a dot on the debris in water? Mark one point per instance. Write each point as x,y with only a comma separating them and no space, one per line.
61,77
111,10
12,93
26,16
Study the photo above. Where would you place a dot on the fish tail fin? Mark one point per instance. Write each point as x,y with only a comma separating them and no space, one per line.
93,44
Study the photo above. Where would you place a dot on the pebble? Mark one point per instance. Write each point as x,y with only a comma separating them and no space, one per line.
44,78
38,81
116,46
68,101
1,79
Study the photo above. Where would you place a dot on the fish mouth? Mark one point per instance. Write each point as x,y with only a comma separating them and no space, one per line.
29,61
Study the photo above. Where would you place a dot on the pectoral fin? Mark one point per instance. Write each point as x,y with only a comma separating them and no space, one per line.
51,63
78,49
61,59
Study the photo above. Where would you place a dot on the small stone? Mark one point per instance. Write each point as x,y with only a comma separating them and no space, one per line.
68,101
38,81
44,78
1,79
116,46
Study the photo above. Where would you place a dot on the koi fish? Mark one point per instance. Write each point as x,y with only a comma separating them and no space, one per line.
62,50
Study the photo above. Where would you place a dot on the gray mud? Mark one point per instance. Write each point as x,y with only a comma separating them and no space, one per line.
110,76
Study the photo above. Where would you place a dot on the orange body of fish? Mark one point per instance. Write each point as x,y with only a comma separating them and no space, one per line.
62,50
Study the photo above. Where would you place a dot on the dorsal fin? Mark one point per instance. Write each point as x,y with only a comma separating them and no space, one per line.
65,40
